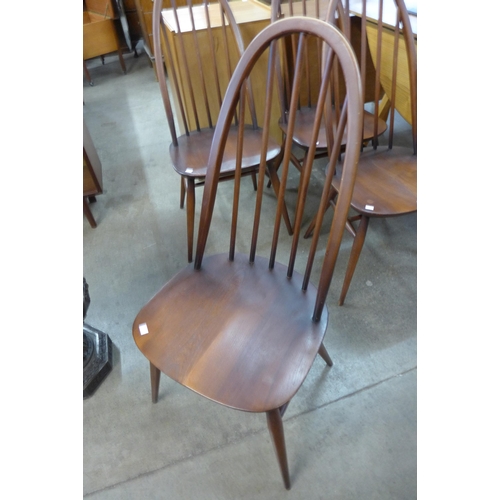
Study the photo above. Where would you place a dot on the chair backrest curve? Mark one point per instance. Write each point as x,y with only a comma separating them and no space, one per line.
411,52
390,45
352,120
194,111
331,11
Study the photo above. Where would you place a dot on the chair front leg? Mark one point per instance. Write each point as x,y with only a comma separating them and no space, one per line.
155,381
275,425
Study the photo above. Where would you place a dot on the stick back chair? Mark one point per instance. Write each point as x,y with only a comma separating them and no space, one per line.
386,184
199,46
252,327
331,11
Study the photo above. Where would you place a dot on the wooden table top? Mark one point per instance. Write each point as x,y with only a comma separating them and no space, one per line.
245,11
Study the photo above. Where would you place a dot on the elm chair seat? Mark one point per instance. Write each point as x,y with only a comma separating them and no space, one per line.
189,157
232,357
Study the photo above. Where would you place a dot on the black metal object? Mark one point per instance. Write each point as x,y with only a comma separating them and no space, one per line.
97,352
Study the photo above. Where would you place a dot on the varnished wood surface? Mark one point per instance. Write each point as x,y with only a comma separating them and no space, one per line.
244,330
304,122
403,98
199,63
332,12
251,17
99,31
386,181
99,37
189,158
248,343
102,7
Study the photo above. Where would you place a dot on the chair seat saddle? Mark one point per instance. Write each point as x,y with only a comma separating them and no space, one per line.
304,121
189,158
250,343
385,182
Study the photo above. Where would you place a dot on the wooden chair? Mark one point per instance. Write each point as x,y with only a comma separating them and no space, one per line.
252,326
386,184
178,47
332,11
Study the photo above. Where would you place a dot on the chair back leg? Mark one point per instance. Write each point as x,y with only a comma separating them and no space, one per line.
359,241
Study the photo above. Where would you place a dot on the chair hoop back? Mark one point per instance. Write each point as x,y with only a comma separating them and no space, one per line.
351,120
387,30
178,46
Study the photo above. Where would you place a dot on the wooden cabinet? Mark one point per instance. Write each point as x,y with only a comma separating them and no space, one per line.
100,36
145,15
99,33
92,175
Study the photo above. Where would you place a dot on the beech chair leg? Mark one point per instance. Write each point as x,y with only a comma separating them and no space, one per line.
190,217
183,192
354,257
275,425
324,354
155,382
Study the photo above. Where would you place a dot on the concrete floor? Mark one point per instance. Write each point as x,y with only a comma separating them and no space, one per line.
351,430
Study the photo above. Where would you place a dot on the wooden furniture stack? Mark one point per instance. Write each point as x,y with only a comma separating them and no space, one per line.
100,36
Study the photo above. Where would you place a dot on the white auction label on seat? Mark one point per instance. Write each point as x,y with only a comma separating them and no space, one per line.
143,329
369,207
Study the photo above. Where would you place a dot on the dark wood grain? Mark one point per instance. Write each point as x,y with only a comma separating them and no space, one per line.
243,330
250,341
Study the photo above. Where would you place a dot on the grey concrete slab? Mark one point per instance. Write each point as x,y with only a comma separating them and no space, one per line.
361,446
